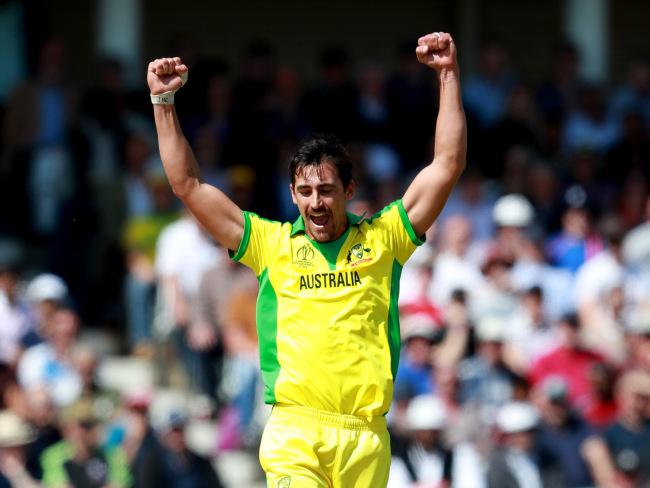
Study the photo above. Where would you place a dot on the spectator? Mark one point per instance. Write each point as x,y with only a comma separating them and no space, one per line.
637,338
332,105
184,252
603,409
557,95
176,465
630,156
452,267
513,464
485,380
472,200
141,233
78,460
628,439
569,361
485,94
576,242
50,364
563,437
141,445
15,435
42,416
415,374
15,318
519,128
411,105
589,126
425,459
241,382
636,244
634,94
46,293
529,333
603,272
416,281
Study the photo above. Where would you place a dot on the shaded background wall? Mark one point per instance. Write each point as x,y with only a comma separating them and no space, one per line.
369,29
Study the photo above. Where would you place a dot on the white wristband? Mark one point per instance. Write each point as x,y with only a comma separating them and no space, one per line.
166,98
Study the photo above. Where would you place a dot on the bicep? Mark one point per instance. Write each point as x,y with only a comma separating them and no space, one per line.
427,194
217,214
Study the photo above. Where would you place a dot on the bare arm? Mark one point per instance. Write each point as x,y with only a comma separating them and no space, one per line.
597,456
429,191
211,207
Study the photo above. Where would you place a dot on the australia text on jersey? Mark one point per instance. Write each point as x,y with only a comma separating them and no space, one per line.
330,280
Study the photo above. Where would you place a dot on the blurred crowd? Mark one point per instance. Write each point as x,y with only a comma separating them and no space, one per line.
525,315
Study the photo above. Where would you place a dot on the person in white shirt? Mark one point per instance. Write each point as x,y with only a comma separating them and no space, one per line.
49,365
184,253
424,460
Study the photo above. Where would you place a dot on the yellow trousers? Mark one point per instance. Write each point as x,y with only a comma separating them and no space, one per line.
306,448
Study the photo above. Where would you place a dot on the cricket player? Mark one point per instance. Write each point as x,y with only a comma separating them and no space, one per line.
327,314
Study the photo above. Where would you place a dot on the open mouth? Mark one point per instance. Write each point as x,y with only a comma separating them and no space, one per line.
319,220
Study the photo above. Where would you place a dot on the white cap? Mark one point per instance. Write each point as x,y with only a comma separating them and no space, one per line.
418,325
517,417
513,211
425,412
490,328
14,431
638,322
46,287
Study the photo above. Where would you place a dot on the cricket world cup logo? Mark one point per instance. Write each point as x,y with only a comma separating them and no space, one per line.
305,256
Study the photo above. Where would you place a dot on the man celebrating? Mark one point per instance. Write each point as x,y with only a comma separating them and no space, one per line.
327,314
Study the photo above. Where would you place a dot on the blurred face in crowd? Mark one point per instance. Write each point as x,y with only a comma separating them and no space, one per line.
493,59
136,152
522,441
633,401
456,235
418,350
41,410
446,378
491,352
569,334
427,438
8,283
520,104
321,199
532,302
554,411
62,330
45,310
639,345
174,439
575,222
498,274
83,435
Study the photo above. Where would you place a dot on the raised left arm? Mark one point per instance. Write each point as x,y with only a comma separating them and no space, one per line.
427,194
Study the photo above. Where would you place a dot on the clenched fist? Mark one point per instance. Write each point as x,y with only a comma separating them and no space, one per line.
166,75
437,51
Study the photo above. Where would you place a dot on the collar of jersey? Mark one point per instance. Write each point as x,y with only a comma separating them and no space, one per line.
299,224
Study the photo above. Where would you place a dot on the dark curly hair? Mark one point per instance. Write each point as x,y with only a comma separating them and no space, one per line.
319,149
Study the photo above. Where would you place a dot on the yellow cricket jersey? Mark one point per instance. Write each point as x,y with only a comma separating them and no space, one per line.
327,317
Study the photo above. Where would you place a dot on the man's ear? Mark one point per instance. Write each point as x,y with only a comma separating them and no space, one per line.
349,191
293,193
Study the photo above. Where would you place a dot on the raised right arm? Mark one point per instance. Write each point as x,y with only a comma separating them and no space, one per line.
219,215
